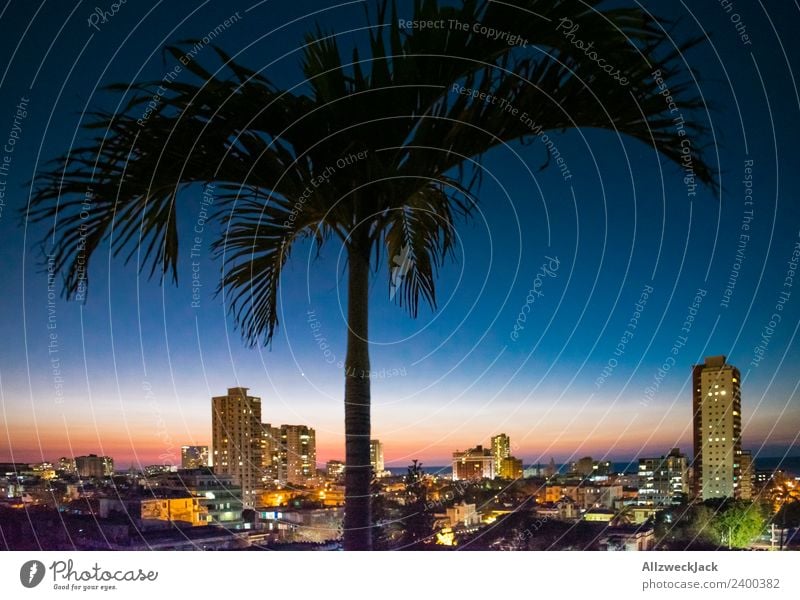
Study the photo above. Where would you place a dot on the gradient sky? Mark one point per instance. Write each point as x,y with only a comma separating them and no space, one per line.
625,223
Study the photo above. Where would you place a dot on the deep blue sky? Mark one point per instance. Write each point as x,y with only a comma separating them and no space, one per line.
460,377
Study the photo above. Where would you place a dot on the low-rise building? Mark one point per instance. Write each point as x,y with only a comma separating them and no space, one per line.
602,515
155,511
627,538
463,514
220,498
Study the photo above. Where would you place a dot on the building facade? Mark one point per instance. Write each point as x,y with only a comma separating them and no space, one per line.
746,480
717,428
475,463
270,453
236,439
334,469
510,468
219,497
93,466
194,457
501,448
376,457
298,455
664,481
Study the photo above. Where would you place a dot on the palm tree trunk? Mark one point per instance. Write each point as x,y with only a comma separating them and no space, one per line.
358,472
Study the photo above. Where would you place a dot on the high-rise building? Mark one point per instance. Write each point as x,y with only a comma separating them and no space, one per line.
511,468
194,457
236,439
664,481
376,457
475,463
501,448
94,466
298,455
717,424
270,453
746,481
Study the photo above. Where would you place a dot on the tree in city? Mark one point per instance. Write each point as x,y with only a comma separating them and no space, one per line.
377,152
417,515
737,524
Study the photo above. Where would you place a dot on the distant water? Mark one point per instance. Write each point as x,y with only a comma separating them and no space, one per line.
790,464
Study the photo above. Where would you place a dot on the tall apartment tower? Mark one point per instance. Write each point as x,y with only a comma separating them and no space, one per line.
236,440
717,424
376,458
298,454
270,453
501,448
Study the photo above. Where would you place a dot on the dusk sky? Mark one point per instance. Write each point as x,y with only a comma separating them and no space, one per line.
449,379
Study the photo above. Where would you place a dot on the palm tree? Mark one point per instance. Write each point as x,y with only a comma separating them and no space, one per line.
412,142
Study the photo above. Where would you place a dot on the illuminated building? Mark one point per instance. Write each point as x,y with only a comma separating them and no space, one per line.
553,493
157,511
270,452
463,514
44,470
236,440
376,458
717,425
156,469
219,496
475,463
93,466
501,448
66,464
600,496
194,457
281,497
597,515
304,525
511,468
746,480
663,481
334,469
298,455
332,495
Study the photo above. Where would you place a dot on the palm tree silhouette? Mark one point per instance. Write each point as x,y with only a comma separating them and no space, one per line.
409,124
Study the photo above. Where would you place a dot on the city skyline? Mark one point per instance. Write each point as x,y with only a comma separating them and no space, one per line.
499,446
635,289
530,454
